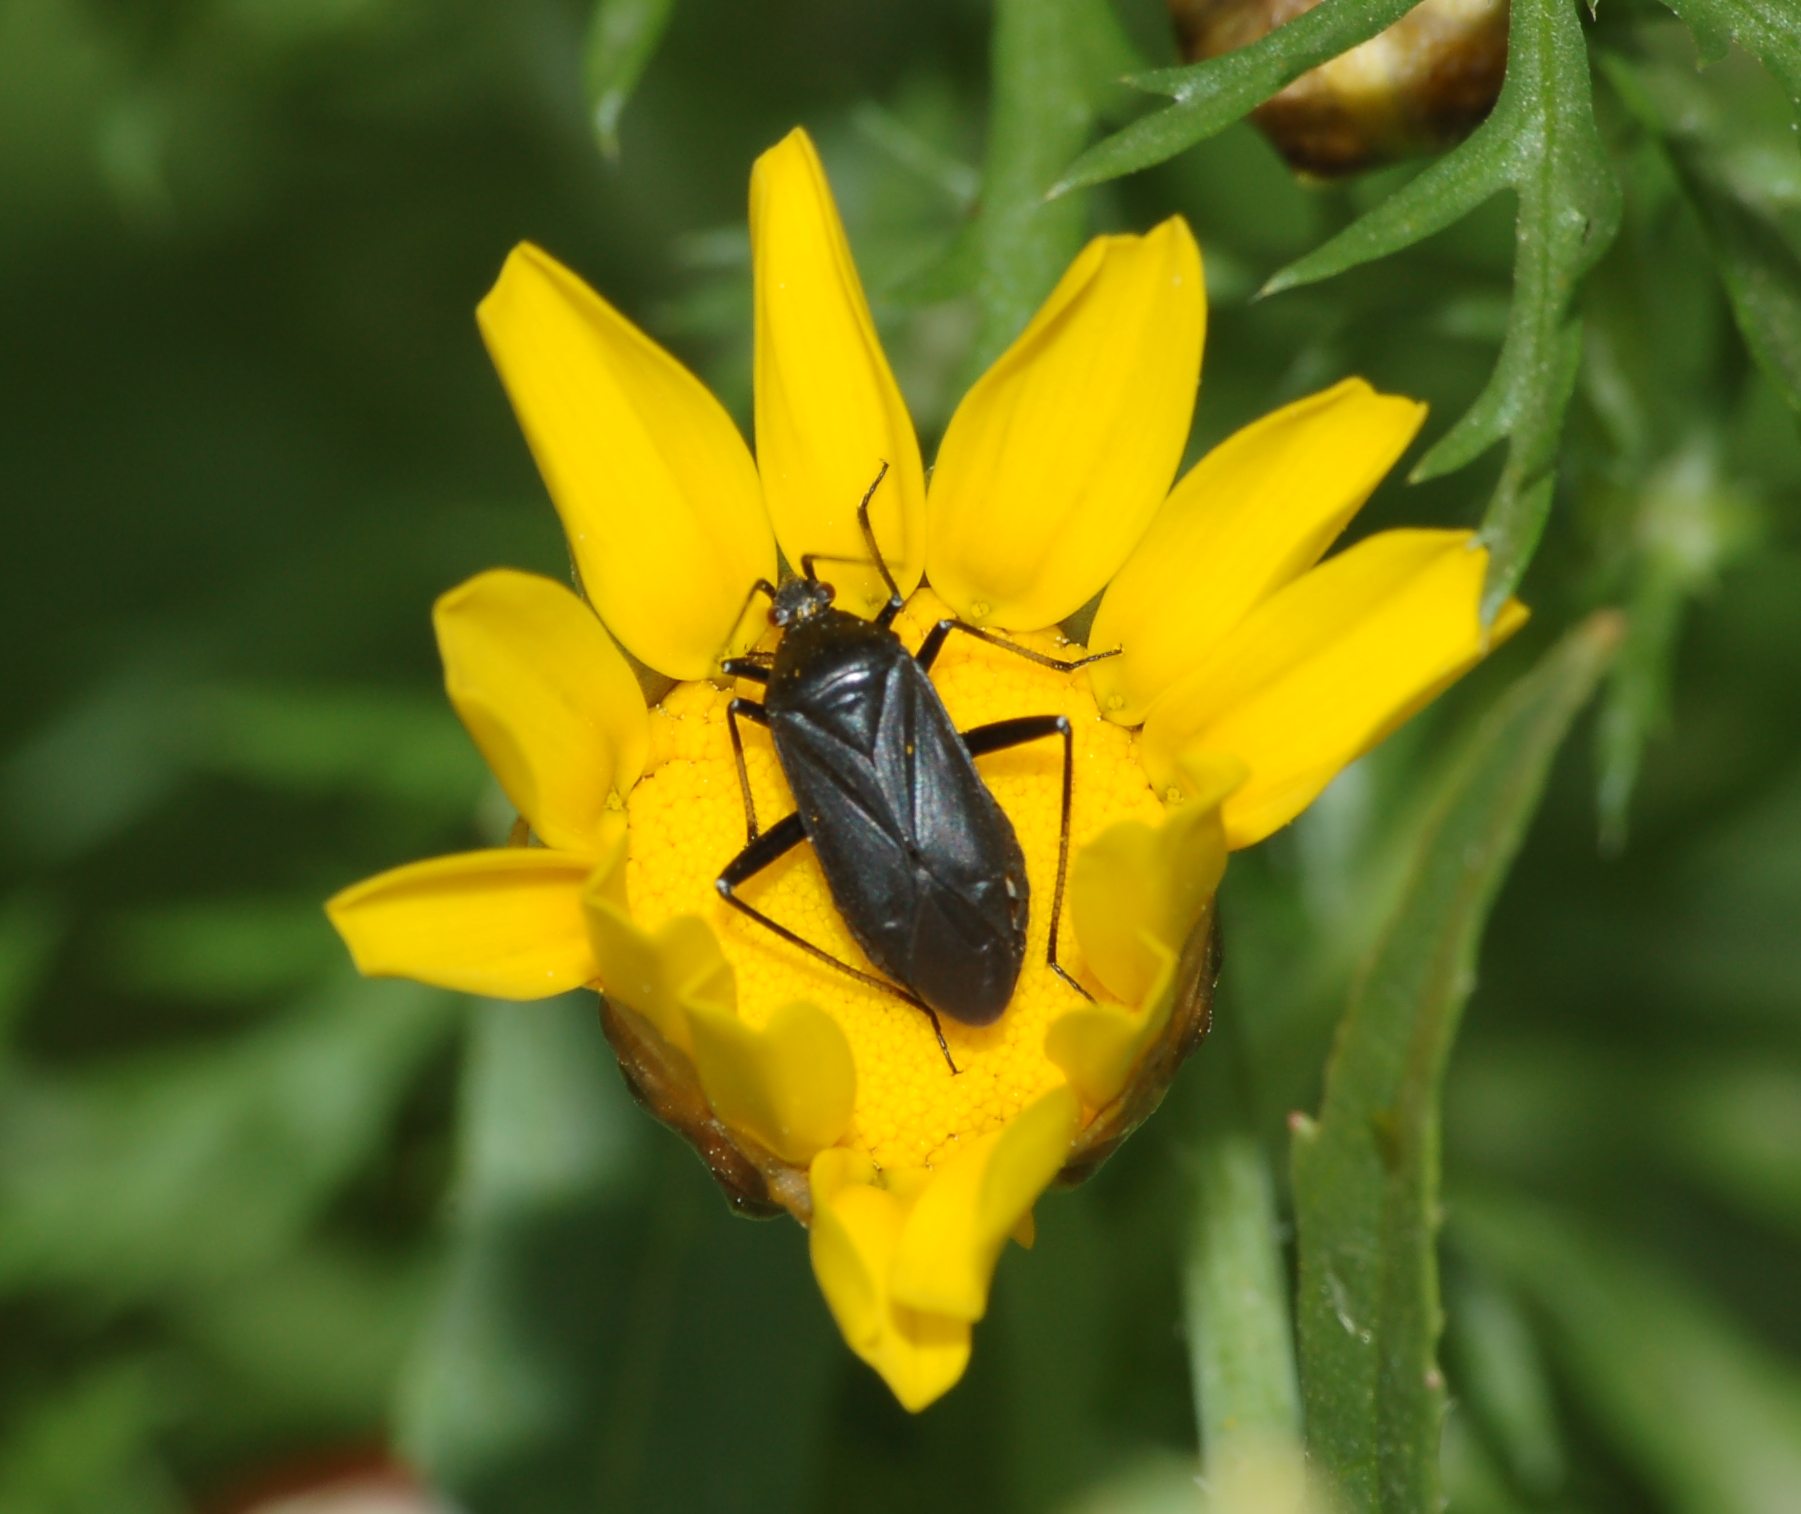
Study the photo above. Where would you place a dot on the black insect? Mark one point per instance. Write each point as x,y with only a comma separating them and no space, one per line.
922,863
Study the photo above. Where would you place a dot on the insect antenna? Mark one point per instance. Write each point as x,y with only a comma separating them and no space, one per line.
875,558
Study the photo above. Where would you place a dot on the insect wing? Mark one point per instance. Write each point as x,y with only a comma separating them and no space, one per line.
953,824
860,840
922,863
968,936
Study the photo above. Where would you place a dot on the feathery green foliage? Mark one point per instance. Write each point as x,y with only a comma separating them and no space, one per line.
1542,143
1209,96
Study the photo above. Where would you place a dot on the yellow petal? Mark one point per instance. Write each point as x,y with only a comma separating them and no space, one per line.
1137,891
790,1085
1098,1044
1320,672
1137,894
953,1238
547,697
832,1171
856,1228
829,413
663,975
1057,459
1253,514
506,923
656,489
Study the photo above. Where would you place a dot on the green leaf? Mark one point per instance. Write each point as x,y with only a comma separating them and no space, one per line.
1734,1128
156,1170
1764,28
388,746
609,1337
1762,274
1569,210
1542,142
1707,1416
1144,1482
1475,1482
89,1445
222,953
1366,1174
1717,152
1637,704
907,148
622,39
1051,65
1053,1321
1438,196
116,751
315,1336
502,1381
1725,1119
1688,523
32,927
1211,95
1499,1370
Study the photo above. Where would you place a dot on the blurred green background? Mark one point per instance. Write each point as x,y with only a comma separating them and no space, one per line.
256,1214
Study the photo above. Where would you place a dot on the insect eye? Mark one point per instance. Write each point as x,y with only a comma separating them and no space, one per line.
826,591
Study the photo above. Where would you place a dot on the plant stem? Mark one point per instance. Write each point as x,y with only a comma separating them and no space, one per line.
1051,61
1235,1286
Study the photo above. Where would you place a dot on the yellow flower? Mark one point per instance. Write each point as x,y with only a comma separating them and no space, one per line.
1246,677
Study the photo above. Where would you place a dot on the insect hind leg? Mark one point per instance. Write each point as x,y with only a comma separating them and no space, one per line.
762,851
998,736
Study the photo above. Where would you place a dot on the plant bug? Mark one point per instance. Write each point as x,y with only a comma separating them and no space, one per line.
921,862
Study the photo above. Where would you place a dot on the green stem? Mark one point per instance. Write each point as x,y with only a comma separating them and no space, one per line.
1051,61
1235,1294
1235,1286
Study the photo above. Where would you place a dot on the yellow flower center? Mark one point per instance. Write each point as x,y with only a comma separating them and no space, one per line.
687,822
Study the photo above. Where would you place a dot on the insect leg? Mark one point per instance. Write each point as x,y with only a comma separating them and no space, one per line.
756,714
885,617
759,852
1009,733
935,638
753,667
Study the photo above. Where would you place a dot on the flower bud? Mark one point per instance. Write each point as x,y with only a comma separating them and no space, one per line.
1418,87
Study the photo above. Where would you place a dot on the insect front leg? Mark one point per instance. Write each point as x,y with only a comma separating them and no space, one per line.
762,851
751,666
935,639
998,736
750,710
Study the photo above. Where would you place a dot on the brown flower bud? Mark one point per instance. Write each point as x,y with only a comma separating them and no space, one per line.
1420,86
